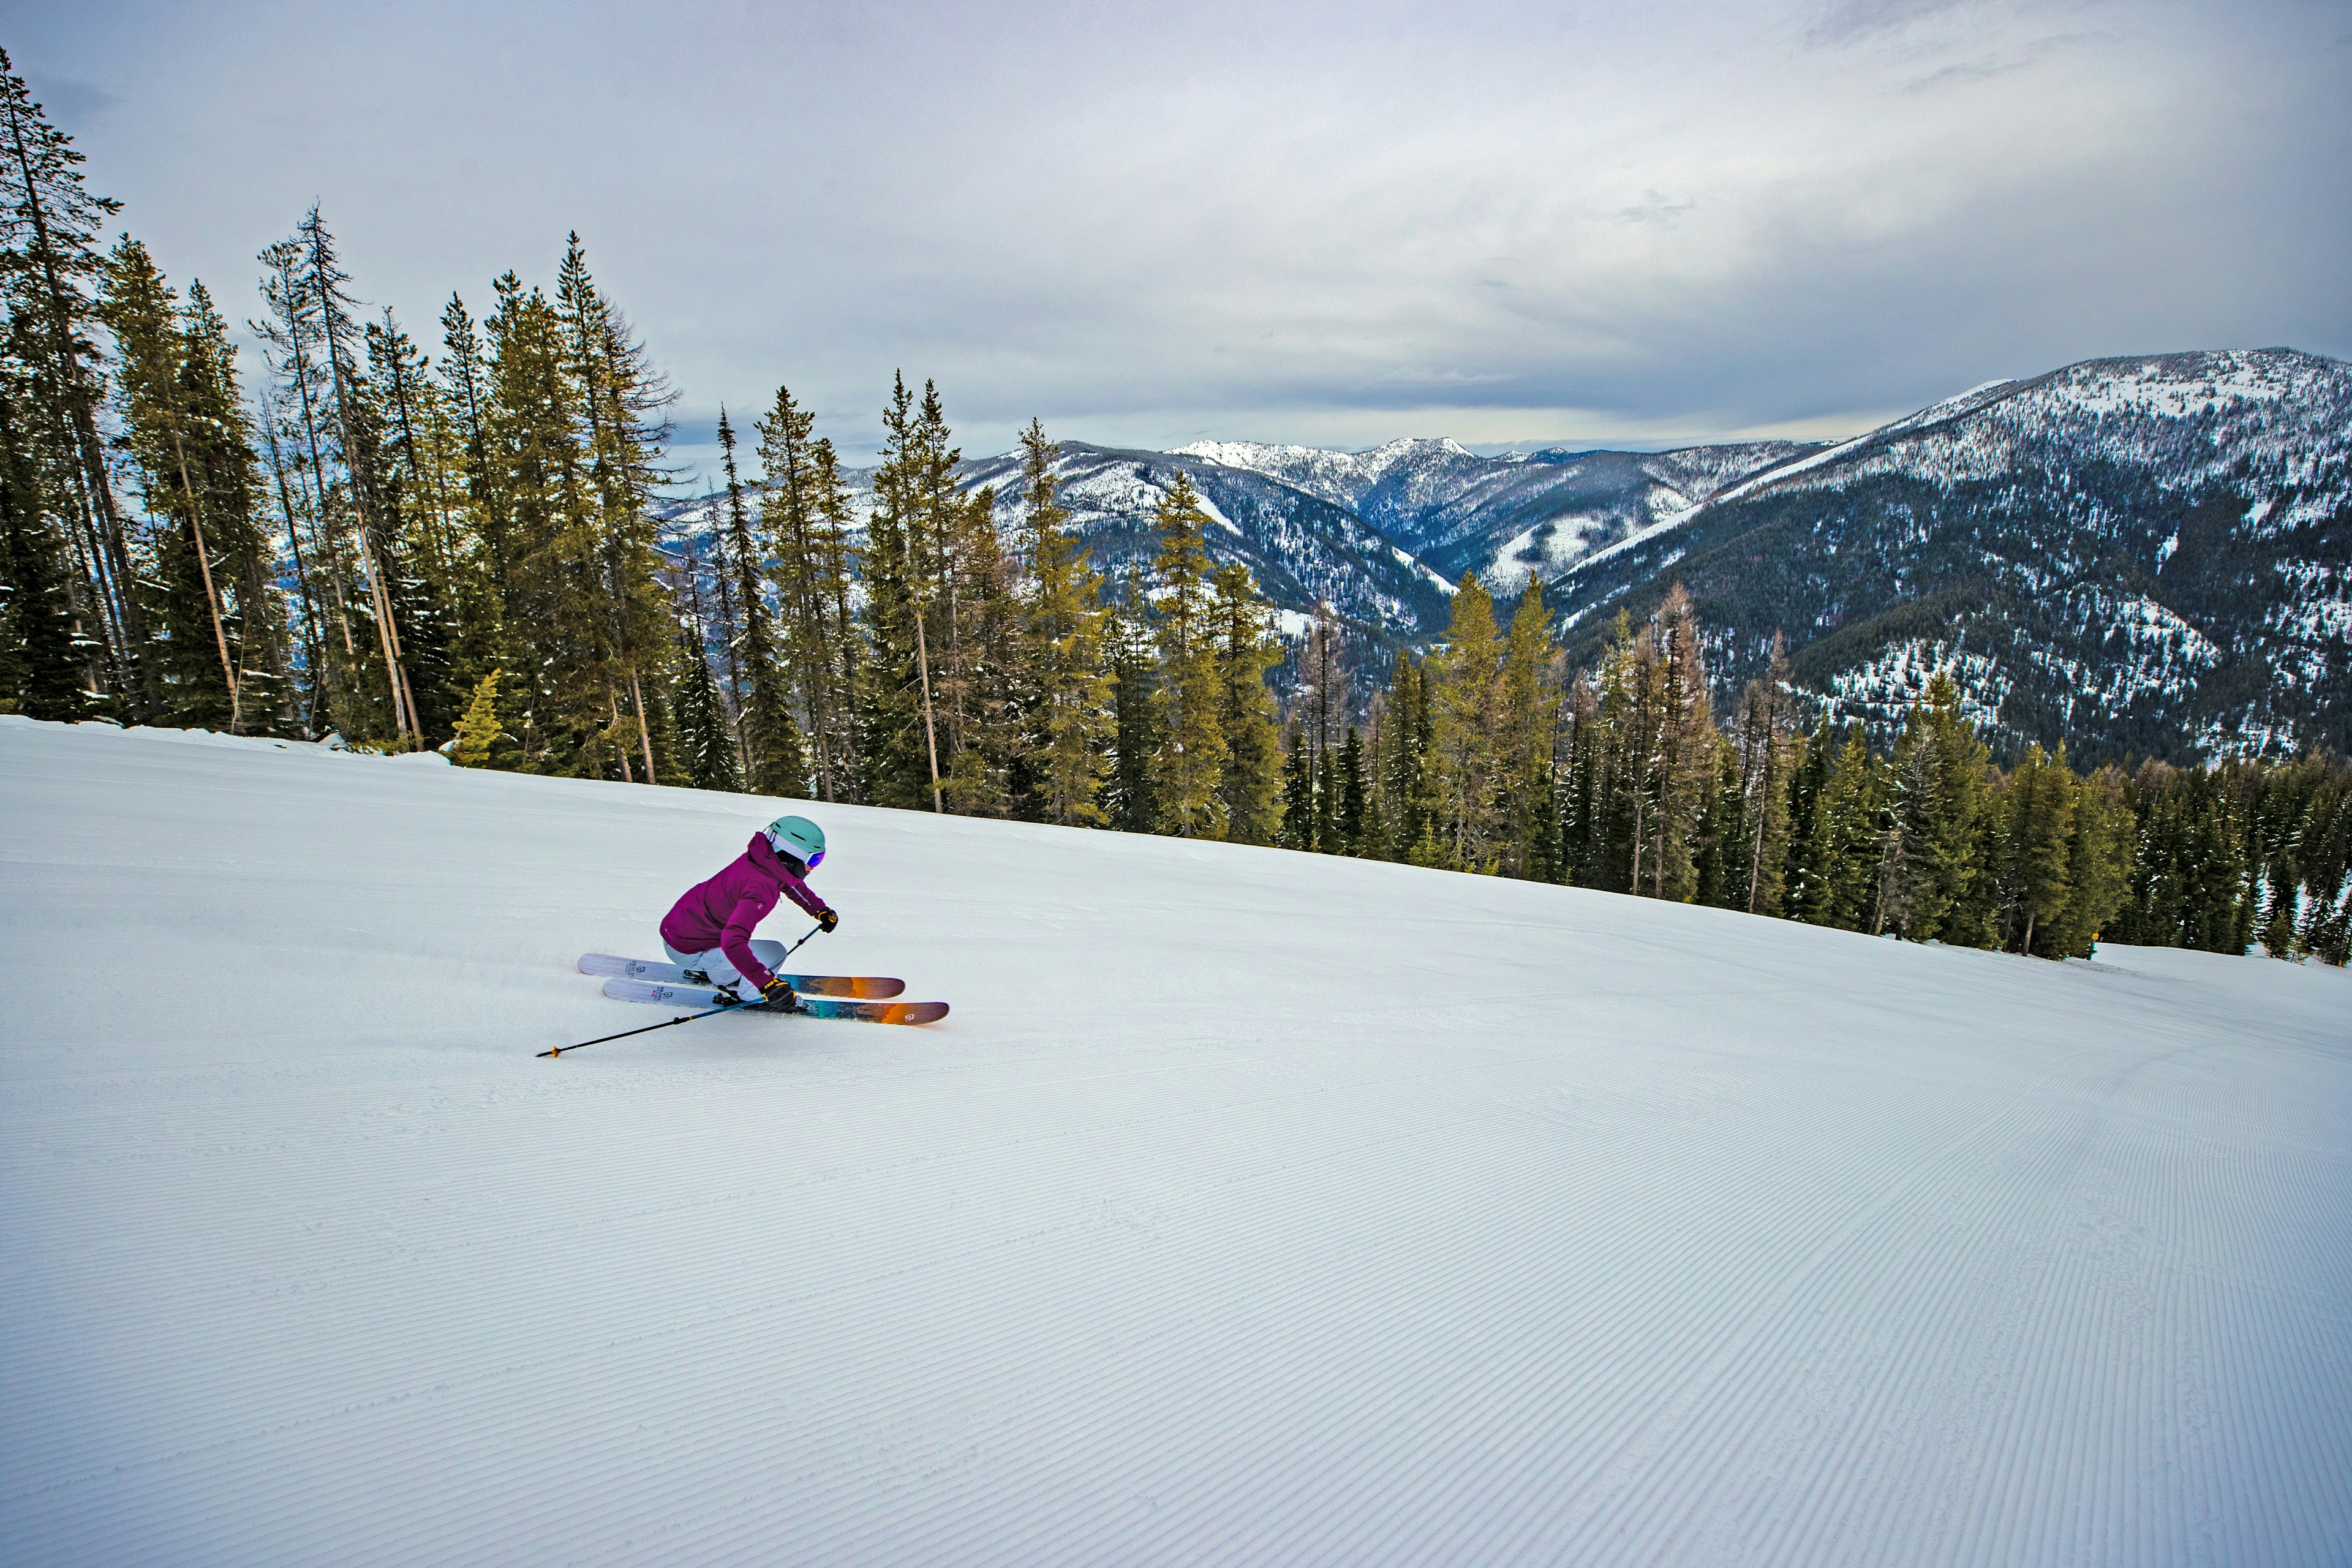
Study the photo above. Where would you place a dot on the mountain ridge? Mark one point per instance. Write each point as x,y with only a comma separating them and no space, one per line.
2149,552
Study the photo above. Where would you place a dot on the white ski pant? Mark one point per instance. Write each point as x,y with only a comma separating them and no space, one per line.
715,964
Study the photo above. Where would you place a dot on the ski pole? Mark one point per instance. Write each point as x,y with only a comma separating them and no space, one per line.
682,1018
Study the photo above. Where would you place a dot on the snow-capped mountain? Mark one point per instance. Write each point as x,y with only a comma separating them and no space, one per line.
1509,516
1302,546
2149,553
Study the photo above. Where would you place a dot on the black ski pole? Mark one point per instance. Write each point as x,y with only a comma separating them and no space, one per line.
683,1018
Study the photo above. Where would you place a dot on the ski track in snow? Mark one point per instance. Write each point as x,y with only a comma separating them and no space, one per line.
1250,1207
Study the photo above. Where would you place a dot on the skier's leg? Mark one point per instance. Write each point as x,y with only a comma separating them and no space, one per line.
714,967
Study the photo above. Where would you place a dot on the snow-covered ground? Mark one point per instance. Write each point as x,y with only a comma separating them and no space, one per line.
1250,1207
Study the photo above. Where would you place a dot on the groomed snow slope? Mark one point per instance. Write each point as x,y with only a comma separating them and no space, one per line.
1250,1207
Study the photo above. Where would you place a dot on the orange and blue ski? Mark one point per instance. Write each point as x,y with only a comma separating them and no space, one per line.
674,995
862,987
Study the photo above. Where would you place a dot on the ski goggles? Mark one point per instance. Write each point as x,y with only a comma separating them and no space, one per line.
816,859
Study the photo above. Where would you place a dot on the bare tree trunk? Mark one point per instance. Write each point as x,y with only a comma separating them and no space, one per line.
205,569
930,735
614,704
321,677
380,602
645,736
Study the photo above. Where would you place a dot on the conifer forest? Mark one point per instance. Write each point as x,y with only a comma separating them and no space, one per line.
459,536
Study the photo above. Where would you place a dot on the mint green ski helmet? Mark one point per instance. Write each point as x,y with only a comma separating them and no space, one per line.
799,837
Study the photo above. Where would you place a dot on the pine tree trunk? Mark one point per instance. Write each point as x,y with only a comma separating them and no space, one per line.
931,734
312,648
645,736
205,569
613,705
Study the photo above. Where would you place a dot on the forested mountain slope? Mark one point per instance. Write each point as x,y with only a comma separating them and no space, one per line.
1508,516
1300,547
2148,555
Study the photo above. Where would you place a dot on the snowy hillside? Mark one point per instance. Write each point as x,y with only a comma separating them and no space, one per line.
1301,548
2150,555
1510,516
2253,420
1249,1207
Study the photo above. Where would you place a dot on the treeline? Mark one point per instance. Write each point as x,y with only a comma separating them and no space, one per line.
1488,756
465,550
468,551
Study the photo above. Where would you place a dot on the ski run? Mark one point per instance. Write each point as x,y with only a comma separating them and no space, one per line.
1249,1207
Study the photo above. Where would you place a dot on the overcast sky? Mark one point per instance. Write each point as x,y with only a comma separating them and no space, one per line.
1155,224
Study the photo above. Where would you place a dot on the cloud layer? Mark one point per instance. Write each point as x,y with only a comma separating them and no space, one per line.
1333,226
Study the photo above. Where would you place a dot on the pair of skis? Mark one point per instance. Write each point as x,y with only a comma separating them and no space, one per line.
868,997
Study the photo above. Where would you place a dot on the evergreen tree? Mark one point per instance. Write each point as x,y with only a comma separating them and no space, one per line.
621,400
1355,805
1720,853
1323,699
50,228
1190,763
775,758
413,504
1131,792
1582,797
1843,852
320,281
793,511
40,675
706,750
481,741
1411,775
2324,858
843,654
1249,786
141,312
1936,795
1682,742
1298,828
993,691
538,476
1806,874
1529,723
898,721
480,510
2041,810
1767,750
1070,722
2098,851
1467,712
337,693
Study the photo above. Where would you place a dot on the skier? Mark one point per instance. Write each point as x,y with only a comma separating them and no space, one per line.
708,933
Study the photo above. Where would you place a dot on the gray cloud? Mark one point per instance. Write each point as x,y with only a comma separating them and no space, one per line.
1319,224
69,100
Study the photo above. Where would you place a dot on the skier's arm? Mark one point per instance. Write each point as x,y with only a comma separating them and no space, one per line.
735,941
798,892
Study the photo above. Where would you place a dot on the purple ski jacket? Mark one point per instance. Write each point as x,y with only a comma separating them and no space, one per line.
721,912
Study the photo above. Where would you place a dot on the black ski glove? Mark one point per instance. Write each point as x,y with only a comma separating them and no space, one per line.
778,994
827,921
